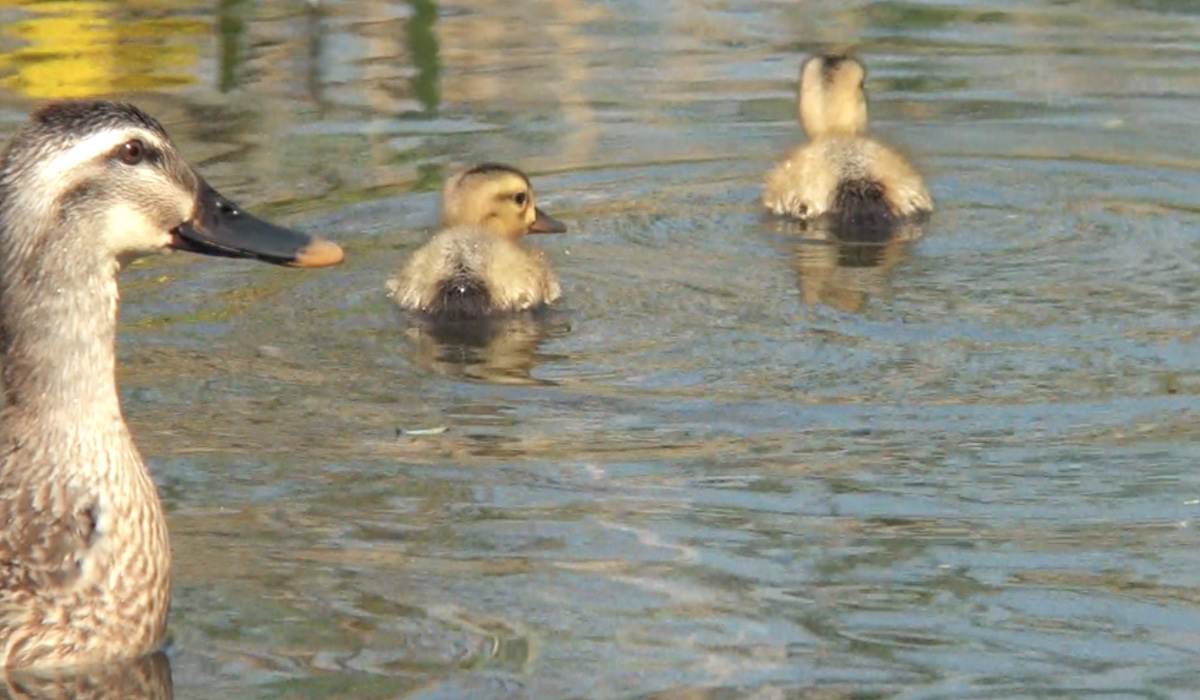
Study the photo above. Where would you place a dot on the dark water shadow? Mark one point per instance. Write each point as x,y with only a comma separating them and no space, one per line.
497,350
148,678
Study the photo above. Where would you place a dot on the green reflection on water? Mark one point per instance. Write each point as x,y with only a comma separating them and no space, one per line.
422,41
231,26
920,16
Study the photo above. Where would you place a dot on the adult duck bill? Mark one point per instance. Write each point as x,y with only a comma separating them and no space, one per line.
544,223
220,228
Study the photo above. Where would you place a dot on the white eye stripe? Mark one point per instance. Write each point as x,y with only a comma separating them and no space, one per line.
101,143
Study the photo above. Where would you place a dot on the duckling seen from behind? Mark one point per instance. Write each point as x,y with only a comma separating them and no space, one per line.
842,176
84,556
476,266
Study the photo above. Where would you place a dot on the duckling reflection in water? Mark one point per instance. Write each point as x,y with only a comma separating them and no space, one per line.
842,178
497,349
84,557
845,275
476,266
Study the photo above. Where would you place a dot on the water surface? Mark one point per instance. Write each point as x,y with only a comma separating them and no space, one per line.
736,463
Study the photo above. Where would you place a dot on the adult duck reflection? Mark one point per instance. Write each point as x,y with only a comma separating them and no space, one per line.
147,678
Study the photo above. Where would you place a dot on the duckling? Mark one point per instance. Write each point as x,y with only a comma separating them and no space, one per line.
84,556
859,182
476,265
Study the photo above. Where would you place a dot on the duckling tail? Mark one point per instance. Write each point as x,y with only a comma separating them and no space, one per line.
462,296
861,211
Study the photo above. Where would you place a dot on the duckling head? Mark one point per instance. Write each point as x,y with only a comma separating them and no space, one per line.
497,198
832,101
87,183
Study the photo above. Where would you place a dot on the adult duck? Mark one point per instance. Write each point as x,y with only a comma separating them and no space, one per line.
84,558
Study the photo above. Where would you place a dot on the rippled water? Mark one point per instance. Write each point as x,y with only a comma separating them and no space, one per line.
735,462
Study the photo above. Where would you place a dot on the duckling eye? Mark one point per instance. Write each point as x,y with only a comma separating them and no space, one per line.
132,152
520,198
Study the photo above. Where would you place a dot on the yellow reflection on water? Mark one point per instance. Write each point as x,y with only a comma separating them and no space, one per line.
83,48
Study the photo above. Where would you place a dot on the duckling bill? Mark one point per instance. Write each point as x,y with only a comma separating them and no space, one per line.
85,559
842,177
475,266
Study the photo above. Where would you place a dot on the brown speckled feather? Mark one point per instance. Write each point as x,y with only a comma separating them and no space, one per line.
79,550
46,535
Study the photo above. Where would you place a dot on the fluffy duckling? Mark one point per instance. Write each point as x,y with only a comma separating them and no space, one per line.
84,558
476,265
841,173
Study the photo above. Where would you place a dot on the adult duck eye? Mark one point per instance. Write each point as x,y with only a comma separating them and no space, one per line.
132,152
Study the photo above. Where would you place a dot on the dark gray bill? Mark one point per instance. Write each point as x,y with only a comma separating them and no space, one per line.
219,227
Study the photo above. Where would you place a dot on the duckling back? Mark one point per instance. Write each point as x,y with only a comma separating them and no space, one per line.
466,272
446,275
462,295
861,206
850,181
875,189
